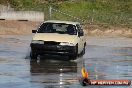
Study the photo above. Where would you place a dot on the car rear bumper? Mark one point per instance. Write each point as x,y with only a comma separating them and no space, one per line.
41,49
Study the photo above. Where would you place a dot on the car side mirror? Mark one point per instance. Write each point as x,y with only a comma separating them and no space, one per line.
34,31
80,33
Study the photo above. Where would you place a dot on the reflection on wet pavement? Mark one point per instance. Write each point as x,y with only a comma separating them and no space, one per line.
50,66
54,72
112,60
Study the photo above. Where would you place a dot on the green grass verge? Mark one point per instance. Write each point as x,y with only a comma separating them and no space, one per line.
113,12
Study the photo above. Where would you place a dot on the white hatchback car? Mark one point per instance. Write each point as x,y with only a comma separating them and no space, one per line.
58,38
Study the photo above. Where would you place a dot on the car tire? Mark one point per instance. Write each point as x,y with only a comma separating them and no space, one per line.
83,52
84,49
33,56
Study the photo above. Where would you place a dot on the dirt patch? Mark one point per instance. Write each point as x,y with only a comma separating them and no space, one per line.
26,27
17,27
104,30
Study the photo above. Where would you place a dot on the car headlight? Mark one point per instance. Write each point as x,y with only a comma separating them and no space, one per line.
37,41
66,43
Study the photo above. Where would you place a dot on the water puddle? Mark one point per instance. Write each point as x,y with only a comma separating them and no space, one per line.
107,58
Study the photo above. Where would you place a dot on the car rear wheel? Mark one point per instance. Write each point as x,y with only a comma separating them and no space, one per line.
84,49
83,52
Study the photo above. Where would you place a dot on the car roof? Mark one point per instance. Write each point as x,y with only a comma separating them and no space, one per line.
59,21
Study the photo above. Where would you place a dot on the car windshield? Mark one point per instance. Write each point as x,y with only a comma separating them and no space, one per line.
57,28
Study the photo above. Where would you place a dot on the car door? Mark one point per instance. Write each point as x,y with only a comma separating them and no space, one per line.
80,38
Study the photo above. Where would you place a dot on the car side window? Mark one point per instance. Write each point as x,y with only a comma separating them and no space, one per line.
79,27
80,30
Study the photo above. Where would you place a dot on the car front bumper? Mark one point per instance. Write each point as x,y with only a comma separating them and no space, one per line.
41,49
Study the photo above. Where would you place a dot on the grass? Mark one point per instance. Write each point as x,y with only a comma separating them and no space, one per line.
112,12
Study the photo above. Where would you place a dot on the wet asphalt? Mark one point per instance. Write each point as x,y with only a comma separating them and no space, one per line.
105,58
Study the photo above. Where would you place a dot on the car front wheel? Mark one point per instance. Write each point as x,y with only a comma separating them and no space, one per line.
33,56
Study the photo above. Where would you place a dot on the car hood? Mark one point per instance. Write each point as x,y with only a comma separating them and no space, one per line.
55,37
